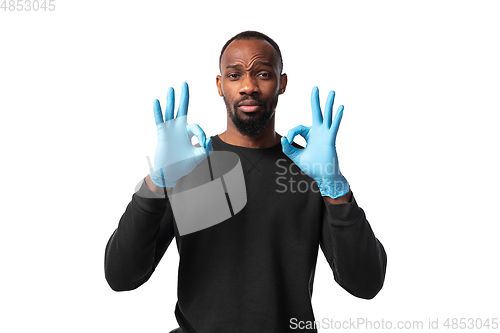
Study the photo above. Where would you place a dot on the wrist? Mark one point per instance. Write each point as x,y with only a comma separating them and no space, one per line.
159,179
333,188
154,188
339,200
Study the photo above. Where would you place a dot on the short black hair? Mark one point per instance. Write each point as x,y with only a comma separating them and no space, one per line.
249,34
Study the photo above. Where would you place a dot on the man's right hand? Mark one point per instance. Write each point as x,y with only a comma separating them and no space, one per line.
175,156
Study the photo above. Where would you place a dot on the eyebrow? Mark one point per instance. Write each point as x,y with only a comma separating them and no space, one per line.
263,63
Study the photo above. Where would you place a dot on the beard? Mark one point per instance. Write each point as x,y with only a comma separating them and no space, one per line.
255,123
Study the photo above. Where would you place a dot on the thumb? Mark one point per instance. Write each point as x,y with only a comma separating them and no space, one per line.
288,149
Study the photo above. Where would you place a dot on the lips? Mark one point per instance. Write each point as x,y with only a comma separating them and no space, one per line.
249,106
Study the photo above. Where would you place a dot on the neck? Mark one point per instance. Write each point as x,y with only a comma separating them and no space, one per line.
267,138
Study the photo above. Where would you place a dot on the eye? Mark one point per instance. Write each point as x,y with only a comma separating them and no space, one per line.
233,76
264,75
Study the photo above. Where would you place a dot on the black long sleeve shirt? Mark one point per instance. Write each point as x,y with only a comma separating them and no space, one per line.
253,272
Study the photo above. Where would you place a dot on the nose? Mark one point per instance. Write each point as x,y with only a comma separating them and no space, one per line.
249,85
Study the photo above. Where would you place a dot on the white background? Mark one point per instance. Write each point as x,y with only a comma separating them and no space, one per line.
418,143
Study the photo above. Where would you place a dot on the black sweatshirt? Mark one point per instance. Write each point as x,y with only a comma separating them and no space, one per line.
254,272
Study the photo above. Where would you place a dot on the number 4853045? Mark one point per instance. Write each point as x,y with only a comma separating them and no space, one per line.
28,5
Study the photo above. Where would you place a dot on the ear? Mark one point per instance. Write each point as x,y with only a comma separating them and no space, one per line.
219,85
283,82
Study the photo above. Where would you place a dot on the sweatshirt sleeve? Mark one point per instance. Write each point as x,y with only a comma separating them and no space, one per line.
143,235
356,256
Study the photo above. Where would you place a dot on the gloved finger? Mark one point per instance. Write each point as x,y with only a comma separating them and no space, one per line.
200,153
157,112
195,129
337,119
298,130
183,104
288,149
316,110
328,109
208,146
169,110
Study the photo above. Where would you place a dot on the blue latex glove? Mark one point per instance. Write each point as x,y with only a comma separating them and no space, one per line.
319,158
175,156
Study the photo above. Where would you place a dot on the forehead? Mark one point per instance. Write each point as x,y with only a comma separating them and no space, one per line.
248,51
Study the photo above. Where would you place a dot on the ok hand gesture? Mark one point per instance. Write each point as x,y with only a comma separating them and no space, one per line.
319,158
175,156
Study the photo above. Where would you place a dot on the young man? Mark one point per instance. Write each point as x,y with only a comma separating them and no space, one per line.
254,271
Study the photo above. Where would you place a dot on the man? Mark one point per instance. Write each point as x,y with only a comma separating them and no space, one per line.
253,272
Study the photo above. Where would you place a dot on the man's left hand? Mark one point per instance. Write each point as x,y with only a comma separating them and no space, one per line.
319,158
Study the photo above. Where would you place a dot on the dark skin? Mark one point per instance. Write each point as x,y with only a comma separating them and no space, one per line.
250,68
